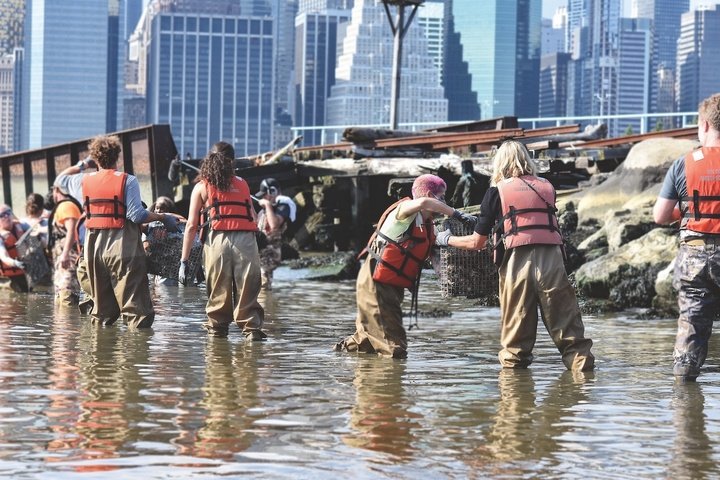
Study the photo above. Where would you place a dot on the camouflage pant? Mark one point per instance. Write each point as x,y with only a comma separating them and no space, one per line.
270,259
697,279
65,280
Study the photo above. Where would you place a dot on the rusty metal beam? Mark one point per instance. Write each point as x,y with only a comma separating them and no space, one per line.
688,132
468,137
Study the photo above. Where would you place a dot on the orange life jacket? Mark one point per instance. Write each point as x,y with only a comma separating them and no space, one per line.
528,213
702,170
10,239
400,262
104,193
231,209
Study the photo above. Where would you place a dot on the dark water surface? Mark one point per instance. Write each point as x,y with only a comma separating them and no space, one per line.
78,401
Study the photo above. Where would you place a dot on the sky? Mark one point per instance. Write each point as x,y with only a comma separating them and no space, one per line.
549,6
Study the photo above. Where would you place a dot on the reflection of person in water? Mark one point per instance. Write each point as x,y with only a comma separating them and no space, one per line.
692,452
111,408
231,386
381,419
526,428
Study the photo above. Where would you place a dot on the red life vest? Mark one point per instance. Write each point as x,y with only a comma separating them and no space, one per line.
702,170
528,213
104,193
231,209
10,239
399,262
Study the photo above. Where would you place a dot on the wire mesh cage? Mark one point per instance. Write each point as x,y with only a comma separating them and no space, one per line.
164,251
466,273
31,251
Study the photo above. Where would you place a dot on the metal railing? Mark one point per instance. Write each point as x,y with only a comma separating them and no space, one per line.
330,134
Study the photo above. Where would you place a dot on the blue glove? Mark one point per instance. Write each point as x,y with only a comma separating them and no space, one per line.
465,218
182,273
442,238
170,222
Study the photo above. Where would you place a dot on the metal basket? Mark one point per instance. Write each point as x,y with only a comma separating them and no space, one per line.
164,251
466,273
31,252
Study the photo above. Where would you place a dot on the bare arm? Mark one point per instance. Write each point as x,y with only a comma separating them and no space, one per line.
475,241
197,200
273,220
411,207
666,211
70,238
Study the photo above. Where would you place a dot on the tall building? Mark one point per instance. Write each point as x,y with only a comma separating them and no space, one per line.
284,14
12,19
430,17
318,31
553,85
65,77
665,15
502,48
210,74
634,73
553,39
316,6
7,104
129,12
363,76
456,77
698,58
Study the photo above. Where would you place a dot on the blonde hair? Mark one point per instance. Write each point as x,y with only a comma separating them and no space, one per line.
709,110
512,160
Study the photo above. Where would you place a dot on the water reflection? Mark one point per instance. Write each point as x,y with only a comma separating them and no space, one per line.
531,420
109,378
692,449
231,388
382,419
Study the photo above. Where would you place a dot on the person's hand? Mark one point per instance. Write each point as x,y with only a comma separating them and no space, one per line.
182,273
64,260
18,264
442,238
465,218
90,163
264,202
170,222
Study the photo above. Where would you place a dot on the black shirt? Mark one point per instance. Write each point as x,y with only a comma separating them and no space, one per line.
490,213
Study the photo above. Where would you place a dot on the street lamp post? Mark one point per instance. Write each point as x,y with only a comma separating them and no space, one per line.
399,29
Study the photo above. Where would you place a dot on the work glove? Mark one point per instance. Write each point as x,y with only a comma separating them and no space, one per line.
442,238
182,273
18,264
170,222
465,218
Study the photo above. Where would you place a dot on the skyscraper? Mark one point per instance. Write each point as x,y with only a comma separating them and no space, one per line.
633,73
210,75
12,19
698,58
317,31
456,76
363,76
284,15
66,71
7,106
502,49
665,15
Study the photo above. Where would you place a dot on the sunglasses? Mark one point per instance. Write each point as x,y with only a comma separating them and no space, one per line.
6,214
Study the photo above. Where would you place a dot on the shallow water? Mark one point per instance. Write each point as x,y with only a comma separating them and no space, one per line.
78,401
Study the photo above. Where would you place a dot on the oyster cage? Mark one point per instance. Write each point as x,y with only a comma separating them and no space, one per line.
164,251
466,273
31,252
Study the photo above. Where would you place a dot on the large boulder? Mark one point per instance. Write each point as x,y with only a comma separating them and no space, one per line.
623,226
644,167
665,301
597,278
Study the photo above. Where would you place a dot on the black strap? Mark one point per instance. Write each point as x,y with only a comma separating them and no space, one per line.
695,199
